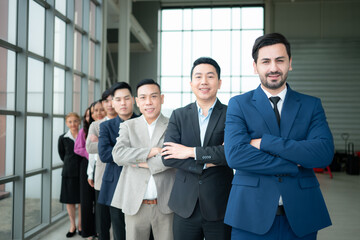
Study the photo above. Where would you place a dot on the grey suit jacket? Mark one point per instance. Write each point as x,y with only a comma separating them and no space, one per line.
133,146
92,148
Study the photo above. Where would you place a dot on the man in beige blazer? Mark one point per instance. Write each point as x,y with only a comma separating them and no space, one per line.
96,169
144,186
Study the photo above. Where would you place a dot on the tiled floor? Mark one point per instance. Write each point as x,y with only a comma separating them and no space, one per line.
342,195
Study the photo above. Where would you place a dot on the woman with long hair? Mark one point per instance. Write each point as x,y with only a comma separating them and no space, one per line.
87,193
70,182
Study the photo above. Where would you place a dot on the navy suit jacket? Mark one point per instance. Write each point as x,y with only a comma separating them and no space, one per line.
109,131
283,165
211,187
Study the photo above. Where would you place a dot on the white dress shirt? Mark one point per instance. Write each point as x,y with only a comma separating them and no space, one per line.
151,192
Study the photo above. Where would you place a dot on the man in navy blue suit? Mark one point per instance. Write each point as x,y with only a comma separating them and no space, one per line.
274,137
123,103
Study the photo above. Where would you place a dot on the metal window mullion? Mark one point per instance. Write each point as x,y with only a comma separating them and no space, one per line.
20,121
9,46
98,58
69,59
85,56
46,194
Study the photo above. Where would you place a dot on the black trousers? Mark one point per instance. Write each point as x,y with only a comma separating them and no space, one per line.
103,221
87,201
196,228
118,223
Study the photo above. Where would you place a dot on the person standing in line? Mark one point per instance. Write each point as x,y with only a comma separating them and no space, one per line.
96,169
274,137
194,146
144,185
70,181
122,102
87,194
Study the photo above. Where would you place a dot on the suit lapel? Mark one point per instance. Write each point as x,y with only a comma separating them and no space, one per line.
142,130
214,118
289,111
266,111
159,130
194,117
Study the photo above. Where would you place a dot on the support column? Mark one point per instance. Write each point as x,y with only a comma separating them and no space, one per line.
124,41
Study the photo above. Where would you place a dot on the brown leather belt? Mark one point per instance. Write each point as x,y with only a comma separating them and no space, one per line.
145,201
280,211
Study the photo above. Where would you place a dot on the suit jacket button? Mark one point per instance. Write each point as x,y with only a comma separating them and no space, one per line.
280,179
200,182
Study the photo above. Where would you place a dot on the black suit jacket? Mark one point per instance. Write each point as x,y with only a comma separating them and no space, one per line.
71,167
192,182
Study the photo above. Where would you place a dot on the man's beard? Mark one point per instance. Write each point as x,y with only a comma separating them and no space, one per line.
275,85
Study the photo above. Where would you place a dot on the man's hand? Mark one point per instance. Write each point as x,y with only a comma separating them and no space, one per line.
154,152
141,165
255,143
208,165
91,182
178,151
93,138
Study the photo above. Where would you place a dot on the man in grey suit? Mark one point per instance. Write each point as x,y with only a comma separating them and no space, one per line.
97,168
144,186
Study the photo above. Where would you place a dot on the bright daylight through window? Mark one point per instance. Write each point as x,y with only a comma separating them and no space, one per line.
225,34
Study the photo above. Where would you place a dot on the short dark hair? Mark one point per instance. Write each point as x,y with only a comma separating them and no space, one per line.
119,85
267,40
105,95
206,60
146,82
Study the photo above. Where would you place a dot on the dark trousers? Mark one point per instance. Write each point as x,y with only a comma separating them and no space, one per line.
196,228
118,223
280,230
87,201
103,222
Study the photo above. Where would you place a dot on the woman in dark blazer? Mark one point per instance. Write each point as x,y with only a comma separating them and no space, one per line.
70,184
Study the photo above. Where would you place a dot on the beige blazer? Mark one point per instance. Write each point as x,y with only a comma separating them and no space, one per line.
133,146
92,148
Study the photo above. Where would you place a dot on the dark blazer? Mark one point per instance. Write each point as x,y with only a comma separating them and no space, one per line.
303,138
192,182
71,160
109,131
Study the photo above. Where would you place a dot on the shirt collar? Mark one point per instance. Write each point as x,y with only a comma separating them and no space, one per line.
69,135
282,94
153,123
200,111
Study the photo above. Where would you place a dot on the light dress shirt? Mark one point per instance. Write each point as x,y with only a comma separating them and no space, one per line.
69,135
280,104
92,161
203,123
151,192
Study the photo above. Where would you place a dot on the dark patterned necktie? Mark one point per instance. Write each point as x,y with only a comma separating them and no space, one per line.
275,100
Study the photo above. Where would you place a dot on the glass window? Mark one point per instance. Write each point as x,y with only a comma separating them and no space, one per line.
59,41
60,5
225,34
77,94
92,19
35,86
78,13
8,16
77,50
32,202
91,58
252,18
34,137
7,134
59,88
58,129
56,206
7,79
6,206
91,92
36,28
